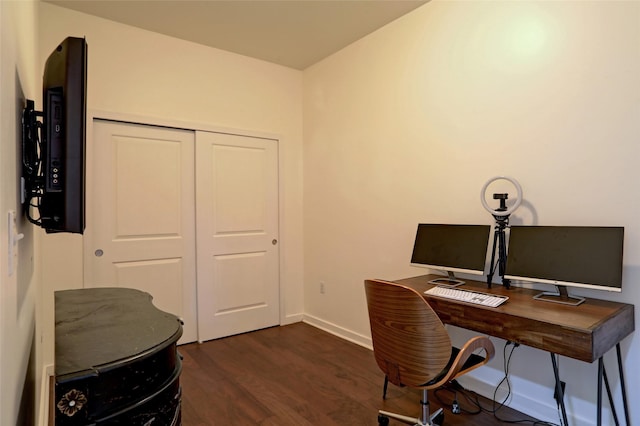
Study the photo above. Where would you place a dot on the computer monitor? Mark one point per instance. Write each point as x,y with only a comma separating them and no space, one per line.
451,248
566,256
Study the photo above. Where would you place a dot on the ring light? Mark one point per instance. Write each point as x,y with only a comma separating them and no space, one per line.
509,210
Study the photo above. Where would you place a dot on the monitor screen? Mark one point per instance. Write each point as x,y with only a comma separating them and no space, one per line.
581,256
451,248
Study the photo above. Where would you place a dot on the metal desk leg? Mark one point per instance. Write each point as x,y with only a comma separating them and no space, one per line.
611,404
623,387
559,391
600,374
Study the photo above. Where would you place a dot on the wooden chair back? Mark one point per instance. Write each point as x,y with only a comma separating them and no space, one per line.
410,344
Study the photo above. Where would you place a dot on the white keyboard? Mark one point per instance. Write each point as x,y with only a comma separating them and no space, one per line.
476,297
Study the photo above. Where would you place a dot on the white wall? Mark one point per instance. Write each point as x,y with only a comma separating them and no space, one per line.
141,73
19,359
407,124
401,127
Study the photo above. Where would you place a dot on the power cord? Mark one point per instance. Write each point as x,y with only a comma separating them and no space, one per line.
455,407
505,379
473,398
32,167
507,363
456,388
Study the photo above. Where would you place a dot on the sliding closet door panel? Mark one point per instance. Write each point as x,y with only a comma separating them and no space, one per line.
142,222
237,238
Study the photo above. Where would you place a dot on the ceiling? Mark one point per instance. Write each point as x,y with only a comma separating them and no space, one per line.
293,33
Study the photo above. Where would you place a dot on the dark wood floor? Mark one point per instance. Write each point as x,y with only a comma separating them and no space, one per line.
299,375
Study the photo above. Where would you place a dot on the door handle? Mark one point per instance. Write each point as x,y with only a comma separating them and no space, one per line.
274,241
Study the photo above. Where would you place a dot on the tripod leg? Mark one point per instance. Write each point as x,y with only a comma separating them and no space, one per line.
492,265
502,259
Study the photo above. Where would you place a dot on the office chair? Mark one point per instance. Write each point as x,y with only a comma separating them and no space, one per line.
412,347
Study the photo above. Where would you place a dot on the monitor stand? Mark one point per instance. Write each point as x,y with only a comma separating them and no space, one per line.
450,281
562,296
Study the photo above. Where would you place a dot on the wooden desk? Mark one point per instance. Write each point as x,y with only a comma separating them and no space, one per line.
584,332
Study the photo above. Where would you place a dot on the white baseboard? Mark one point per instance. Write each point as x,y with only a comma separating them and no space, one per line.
523,402
518,401
45,392
341,332
579,412
292,319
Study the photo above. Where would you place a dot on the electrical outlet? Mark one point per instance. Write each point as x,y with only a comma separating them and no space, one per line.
555,392
322,287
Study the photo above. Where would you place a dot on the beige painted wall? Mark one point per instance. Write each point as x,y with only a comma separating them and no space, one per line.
407,124
140,73
19,357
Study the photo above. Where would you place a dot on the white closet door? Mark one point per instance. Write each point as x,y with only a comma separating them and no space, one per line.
237,234
141,225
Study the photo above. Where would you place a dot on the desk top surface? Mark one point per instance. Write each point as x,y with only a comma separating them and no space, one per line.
583,332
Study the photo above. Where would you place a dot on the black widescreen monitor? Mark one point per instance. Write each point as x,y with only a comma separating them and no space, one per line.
575,256
451,248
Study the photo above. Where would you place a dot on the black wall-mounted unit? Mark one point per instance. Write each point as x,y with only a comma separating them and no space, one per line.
54,149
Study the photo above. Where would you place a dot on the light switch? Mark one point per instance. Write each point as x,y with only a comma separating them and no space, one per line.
13,237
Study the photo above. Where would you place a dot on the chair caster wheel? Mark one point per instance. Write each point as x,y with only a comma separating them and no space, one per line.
383,420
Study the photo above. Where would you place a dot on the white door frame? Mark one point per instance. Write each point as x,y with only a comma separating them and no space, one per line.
94,114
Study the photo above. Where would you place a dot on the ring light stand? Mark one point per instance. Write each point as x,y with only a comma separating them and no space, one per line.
501,215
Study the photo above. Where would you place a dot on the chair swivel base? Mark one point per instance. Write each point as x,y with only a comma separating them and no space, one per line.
436,419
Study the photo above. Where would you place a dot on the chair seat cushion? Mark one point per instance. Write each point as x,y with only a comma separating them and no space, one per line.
473,360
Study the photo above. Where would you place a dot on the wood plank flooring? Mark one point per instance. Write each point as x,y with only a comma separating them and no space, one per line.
299,375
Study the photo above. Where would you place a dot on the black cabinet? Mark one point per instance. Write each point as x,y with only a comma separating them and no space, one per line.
116,361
